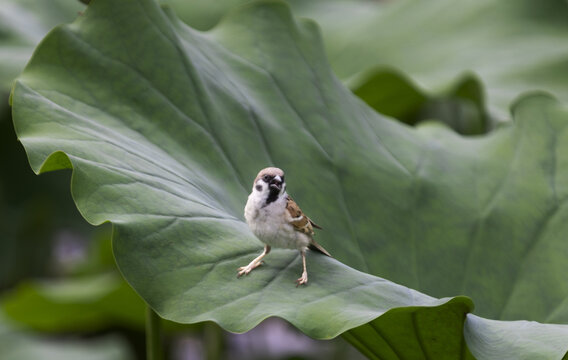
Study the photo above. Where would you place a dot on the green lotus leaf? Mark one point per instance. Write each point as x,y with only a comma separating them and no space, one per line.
492,340
414,333
165,127
88,303
202,15
512,46
17,344
462,108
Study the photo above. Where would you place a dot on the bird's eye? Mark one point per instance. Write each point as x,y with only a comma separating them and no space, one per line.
266,178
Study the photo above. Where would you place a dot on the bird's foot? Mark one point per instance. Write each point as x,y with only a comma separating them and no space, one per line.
244,270
303,280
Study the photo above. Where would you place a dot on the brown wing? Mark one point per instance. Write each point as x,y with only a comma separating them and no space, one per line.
303,224
299,221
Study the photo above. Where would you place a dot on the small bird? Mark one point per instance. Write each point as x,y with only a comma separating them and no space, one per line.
277,220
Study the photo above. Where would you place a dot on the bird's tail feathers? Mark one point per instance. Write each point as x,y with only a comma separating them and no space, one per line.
317,247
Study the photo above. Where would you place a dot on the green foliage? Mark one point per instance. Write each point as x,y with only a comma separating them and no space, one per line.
23,23
415,333
492,339
514,46
17,344
34,211
390,93
88,303
165,126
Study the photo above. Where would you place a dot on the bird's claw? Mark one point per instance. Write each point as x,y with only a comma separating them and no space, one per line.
242,271
245,270
303,280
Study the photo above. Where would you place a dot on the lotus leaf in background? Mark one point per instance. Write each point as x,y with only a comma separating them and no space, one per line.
462,108
387,90
164,128
23,23
17,344
202,15
86,304
512,46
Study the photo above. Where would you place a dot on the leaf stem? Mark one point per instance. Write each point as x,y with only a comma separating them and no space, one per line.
153,335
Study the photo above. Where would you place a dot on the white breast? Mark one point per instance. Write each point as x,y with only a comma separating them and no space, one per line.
270,225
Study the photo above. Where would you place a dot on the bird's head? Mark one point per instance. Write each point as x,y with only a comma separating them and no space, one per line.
270,182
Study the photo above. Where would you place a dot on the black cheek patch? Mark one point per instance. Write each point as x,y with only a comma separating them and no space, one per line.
258,188
272,195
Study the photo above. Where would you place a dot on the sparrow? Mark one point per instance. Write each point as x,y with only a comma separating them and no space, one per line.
278,221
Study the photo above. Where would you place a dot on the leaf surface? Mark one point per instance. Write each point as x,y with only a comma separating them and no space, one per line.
165,128
512,46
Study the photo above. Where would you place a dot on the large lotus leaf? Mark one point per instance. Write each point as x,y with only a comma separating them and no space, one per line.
165,127
511,45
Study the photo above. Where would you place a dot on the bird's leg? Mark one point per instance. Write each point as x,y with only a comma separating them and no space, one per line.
244,270
304,279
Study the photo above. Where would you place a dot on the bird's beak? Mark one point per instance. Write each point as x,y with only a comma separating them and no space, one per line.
276,183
